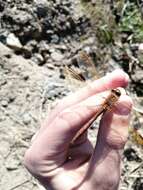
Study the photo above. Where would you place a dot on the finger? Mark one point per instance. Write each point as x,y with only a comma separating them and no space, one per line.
52,145
98,103
113,80
91,105
114,125
97,100
112,136
58,135
118,78
70,120
62,130
85,110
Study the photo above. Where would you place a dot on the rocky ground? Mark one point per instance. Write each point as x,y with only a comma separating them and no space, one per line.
36,39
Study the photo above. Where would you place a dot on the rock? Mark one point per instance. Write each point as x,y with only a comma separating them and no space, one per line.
42,7
11,98
50,66
4,50
4,103
55,89
50,21
140,48
25,77
2,5
26,119
63,47
13,42
52,50
43,46
138,76
12,163
3,35
57,56
87,49
38,58
55,39
140,54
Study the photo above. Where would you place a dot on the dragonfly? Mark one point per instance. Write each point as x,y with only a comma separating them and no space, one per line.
85,71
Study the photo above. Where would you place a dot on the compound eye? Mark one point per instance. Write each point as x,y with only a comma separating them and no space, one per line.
117,92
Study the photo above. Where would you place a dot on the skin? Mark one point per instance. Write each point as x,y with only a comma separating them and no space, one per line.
57,164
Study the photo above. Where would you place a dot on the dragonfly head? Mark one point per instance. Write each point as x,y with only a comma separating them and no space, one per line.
117,92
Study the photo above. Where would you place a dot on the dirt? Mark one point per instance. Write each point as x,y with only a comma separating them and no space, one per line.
50,34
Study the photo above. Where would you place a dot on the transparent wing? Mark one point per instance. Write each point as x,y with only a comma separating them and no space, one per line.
74,78
87,66
84,71
74,74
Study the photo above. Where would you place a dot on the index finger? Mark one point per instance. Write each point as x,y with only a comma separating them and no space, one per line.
116,79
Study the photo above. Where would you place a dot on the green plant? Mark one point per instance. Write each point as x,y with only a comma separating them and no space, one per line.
131,23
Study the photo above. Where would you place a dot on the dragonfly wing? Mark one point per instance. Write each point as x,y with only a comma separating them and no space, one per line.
87,66
75,80
84,71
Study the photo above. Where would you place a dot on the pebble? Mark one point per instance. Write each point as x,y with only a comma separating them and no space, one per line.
26,119
55,39
11,98
52,50
63,47
50,66
140,48
4,103
13,42
38,58
25,77
57,56
12,163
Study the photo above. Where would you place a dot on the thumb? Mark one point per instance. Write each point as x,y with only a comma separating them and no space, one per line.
113,131
112,136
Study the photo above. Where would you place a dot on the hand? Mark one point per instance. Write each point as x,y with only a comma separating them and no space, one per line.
59,165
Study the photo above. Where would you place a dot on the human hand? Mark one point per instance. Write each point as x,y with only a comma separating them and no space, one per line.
59,165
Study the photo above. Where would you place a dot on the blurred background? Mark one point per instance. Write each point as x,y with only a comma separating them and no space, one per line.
38,37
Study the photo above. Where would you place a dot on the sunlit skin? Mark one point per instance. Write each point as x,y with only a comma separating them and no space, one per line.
57,164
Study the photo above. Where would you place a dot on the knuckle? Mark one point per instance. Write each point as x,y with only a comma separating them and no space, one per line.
66,117
32,161
71,119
